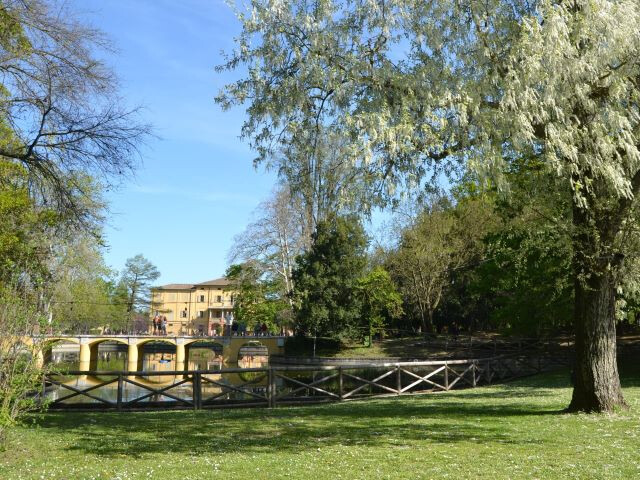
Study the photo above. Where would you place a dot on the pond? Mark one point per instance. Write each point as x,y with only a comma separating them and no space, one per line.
305,383
157,357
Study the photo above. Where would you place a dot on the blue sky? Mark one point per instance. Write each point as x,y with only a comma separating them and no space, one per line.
197,186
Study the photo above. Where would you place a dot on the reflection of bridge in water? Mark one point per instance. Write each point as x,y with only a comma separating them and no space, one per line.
105,387
228,348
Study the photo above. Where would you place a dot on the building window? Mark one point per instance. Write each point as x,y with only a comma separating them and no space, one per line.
201,314
232,299
219,298
183,313
201,298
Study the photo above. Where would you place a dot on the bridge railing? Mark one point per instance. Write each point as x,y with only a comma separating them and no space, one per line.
277,385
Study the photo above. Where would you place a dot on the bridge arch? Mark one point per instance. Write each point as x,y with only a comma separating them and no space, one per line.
144,341
46,351
98,341
204,354
112,359
252,354
159,353
52,340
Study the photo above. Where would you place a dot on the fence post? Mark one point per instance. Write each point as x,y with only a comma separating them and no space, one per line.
197,390
446,376
120,388
473,373
398,379
271,388
340,383
44,388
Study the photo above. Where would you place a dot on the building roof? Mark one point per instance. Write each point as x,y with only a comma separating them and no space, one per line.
175,286
222,281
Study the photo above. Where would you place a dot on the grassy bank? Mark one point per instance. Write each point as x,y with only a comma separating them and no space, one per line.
510,431
406,347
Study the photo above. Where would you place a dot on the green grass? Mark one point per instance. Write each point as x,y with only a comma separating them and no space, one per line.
406,347
510,431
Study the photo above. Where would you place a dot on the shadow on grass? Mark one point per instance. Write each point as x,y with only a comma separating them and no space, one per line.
435,419
497,414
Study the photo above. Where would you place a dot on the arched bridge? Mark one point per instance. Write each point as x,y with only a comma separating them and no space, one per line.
89,347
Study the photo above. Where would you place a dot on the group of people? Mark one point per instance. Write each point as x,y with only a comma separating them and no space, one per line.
239,329
159,325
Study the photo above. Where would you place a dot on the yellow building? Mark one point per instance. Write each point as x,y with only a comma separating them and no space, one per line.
193,309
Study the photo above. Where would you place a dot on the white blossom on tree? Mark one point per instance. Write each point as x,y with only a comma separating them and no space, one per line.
430,86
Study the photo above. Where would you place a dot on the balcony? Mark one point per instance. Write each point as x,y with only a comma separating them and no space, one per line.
223,304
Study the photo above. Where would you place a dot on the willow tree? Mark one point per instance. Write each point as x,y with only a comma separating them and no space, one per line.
424,85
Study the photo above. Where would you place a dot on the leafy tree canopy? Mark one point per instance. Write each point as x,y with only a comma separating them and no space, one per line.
326,279
429,86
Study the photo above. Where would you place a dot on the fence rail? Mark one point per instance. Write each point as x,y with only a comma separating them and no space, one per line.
279,385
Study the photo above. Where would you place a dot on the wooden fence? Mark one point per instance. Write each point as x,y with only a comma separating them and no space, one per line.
281,385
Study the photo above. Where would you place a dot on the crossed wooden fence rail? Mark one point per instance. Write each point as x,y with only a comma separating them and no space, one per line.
277,385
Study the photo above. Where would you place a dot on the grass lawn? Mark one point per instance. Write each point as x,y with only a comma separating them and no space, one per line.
511,431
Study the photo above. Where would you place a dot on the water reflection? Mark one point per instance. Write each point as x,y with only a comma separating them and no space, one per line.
157,357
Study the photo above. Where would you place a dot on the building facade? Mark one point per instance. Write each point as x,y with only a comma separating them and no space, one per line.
193,309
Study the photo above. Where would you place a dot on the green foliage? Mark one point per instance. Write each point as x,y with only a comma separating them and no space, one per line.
379,300
435,248
528,269
257,298
528,278
22,227
326,279
20,376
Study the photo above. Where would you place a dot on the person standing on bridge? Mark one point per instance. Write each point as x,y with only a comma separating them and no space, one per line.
164,325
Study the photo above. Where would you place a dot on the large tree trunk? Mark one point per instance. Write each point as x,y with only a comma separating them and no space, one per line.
596,380
597,384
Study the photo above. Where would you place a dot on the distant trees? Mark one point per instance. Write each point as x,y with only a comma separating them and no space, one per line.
379,301
258,297
24,249
82,293
136,280
423,261
443,239
527,272
87,295
273,240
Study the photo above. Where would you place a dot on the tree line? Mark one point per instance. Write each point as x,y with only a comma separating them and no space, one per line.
471,260
390,96
526,112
